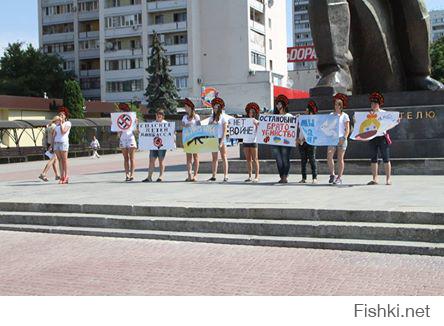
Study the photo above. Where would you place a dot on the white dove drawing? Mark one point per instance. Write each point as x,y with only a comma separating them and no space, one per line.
329,128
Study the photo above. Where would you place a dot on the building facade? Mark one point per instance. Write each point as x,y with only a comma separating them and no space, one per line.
437,24
304,75
236,46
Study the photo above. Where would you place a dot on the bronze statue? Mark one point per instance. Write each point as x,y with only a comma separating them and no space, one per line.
367,45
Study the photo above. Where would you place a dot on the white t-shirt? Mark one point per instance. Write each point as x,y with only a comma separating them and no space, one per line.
126,135
192,122
220,124
59,138
343,119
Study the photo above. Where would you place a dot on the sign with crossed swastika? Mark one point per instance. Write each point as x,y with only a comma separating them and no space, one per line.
123,121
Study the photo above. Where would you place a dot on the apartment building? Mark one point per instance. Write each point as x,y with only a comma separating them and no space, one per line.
237,46
437,24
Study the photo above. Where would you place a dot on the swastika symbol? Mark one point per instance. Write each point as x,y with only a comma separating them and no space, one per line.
124,121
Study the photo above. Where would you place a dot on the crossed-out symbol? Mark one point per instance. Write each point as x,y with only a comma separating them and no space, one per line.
124,121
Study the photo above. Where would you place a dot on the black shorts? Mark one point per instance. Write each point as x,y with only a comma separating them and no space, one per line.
250,145
379,145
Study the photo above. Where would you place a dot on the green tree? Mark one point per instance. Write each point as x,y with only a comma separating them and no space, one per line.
30,72
161,92
73,100
437,56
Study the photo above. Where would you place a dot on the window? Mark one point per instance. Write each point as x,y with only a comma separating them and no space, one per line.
258,59
270,44
158,19
180,17
178,59
123,64
181,82
124,86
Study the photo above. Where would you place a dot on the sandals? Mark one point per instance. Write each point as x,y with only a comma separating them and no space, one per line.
212,179
372,183
159,180
248,180
43,178
147,180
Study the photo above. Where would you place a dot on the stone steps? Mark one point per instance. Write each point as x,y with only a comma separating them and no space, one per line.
388,237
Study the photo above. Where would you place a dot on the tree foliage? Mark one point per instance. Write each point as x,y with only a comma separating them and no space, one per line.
73,100
437,56
30,72
161,92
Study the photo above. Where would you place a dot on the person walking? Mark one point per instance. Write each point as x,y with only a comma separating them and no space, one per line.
95,146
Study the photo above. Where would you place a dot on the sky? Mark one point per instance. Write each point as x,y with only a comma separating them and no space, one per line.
19,21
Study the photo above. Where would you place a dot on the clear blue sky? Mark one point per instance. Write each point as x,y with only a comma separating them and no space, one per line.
19,22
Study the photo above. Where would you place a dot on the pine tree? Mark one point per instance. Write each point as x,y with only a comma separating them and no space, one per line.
161,92
74,102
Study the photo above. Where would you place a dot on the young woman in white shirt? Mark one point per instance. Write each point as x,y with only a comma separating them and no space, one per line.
251,149
340,103
128,145
191,118
53,162
61,143
218,118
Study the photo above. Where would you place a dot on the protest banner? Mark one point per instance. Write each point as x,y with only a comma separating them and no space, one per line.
157,136
320,129
279,130
123,121
242,128
200,139
370,125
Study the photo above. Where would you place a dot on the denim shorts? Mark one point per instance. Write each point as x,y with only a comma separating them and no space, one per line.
343,146
160,154
62,147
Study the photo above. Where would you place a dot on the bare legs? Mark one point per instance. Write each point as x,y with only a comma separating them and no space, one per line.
129,162
251,156
190,158
214,162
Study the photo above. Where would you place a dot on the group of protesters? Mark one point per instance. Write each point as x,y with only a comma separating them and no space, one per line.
59,129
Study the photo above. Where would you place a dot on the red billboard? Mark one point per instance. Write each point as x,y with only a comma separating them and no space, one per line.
301,54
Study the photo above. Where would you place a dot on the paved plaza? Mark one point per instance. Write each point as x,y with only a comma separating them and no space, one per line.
49,264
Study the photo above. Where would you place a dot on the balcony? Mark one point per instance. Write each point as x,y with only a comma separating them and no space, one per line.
89,54
258,27
156,6
257,48
123,10
124,96
126,74
58,38
166,28
177,48
90,73
91,93
256,5
88,15
127,53
123,31
58,19
179,70
92,35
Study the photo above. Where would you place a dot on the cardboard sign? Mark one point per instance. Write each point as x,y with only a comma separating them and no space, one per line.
157,136
276,129
320,129
242,128
200,139
370,125
123,121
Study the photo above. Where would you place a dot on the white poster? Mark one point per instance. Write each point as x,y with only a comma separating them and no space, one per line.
278,130
369,125
157,136
123,121
242,128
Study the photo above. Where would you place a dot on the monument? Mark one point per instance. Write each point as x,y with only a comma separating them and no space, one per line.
368,45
